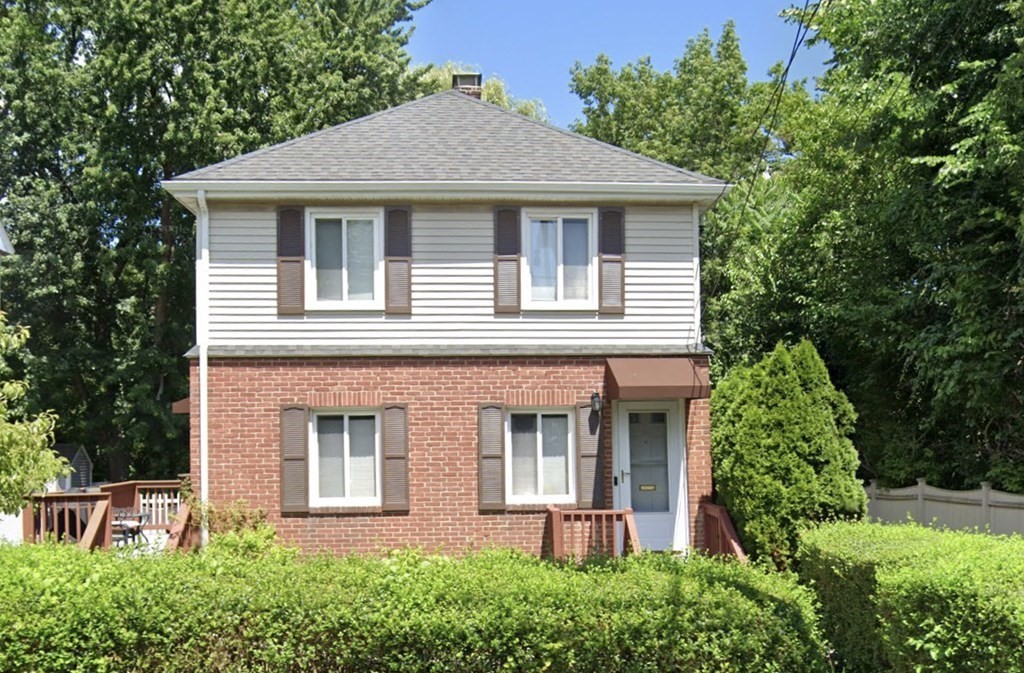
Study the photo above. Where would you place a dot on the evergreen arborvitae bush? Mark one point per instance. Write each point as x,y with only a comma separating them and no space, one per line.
783,458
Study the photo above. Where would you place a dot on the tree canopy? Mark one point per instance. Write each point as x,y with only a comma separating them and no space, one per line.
99,103
703,114
892,238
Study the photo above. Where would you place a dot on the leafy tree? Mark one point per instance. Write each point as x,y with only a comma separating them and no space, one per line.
27,462
702,115
100,102
439,78
897,241
755,273
783,459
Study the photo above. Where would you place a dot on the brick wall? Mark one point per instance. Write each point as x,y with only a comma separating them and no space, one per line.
442,395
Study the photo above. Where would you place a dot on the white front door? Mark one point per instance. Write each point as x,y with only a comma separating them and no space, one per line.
650,473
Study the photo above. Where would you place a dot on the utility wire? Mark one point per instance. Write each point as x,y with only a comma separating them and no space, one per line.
774,101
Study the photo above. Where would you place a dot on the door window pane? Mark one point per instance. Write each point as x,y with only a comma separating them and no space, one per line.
328,259
575,257
360,260
524,454
648,462
330,432
543,259
555,454
362,448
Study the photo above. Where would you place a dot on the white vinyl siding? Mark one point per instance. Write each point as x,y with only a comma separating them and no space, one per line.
452,287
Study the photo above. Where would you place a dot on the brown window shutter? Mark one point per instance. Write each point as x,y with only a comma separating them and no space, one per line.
291,260
294,457
612,252
506,260
589,487
491,441
395,466
398,260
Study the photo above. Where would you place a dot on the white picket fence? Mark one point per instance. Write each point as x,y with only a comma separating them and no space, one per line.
161,502
983,508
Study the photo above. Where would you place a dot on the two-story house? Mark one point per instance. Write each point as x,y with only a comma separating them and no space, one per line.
422,327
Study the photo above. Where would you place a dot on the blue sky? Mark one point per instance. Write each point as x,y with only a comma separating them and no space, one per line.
531,44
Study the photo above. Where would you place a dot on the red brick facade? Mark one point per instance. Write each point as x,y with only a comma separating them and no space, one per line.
442,394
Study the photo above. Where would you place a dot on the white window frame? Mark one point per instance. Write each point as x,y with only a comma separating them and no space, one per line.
526,288
540,498
314,460
345,214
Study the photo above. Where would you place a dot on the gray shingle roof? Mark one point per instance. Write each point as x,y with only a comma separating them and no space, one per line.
446,137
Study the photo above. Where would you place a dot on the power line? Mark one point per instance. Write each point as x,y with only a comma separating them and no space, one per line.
803,27
774,100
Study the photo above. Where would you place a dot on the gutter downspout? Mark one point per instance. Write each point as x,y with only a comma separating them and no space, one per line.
698,333
202,337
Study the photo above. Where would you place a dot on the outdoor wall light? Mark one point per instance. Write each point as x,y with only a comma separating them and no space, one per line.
596,403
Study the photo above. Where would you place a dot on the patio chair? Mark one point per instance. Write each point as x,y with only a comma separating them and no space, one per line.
129,524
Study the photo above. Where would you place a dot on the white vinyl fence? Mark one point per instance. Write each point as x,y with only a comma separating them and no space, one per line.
982,508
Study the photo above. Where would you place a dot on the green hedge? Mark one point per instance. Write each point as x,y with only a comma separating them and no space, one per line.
66,610
910,598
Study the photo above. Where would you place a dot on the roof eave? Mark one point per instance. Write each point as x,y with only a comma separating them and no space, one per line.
428,191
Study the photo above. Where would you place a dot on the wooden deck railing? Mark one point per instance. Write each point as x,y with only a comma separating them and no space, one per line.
87,518
159,499
579,533
64,517
184,534
98,533
719,534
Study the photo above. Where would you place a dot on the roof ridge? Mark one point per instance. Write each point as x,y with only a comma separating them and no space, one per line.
451,99
594,141
313,134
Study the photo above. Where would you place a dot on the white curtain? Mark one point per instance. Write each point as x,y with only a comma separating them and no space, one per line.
360,259
555,454
362,449
543,259
575,257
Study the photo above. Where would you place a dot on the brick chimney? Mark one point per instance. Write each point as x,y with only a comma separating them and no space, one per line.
469,83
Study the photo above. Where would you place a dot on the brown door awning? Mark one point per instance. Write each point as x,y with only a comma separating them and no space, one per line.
657,378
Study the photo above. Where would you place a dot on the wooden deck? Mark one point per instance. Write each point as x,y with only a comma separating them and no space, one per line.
147,513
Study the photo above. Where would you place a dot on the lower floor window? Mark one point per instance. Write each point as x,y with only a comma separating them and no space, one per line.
540,461
345,459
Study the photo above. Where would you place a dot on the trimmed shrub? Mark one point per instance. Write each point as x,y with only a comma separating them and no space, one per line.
781,451
66,610
910,598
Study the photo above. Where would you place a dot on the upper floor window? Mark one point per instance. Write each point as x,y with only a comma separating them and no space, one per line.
559,259
344,459
344,259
